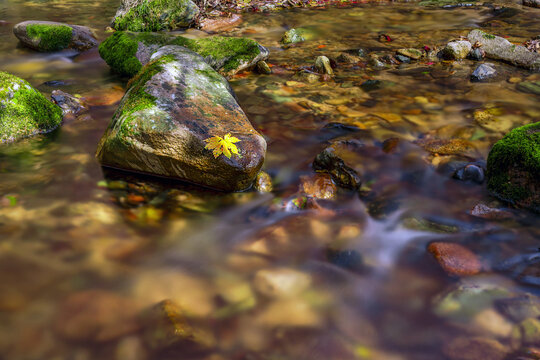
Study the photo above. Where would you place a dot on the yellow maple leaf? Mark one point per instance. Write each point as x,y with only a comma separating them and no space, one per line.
222,145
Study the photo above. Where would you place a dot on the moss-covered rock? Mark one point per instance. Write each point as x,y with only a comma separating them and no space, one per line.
513,167
127,52
155,15
173,106
52,36
23,110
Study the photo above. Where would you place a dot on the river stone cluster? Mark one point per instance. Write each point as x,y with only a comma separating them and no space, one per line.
53,36
24,111
175,103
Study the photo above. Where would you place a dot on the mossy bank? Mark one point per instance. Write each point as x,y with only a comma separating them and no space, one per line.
49,36
514,167
127,52
23,110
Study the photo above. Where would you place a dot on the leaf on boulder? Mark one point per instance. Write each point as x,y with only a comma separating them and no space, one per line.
222,145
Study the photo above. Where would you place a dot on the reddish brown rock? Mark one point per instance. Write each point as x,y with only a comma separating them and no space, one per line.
455,259
222,23
96,316
320,186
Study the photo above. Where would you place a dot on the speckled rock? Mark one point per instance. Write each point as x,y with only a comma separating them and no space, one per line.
513,167
532,3
322,65
24,111
54,36
455,259
457,50
127,52
499,48
297,35
155,15
172,107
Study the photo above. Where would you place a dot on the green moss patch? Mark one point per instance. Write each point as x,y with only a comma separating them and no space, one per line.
513,166
224,54
23,110
50,37
157,15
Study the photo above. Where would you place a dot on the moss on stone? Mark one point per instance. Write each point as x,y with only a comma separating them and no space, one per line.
513,165
138,99
50,37
157,15
224,54
119,50
23,110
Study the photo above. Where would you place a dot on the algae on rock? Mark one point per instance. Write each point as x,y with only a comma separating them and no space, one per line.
513,167
53,36
155,15
127,52
23,110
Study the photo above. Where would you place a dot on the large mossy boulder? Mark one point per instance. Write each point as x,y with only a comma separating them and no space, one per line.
24,111
174,106
155,15
53,36
499,48
513,167
127,52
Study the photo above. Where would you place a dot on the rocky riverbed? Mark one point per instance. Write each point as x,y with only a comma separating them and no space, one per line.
362,182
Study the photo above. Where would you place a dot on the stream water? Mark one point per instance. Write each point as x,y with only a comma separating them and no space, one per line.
84,250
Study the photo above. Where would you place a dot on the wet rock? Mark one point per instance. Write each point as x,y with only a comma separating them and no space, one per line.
455,259
290,312
263,68
470,172
331,162
474,348
127,52
348,58
297,35
24,111
485,212
169,136
403,59
96,316
263,183
477,53
499,48
372,85
376,62
531,87
520,308
130,348
281,282
69,104
347,259
445,147
527,332
322,65
513,167
469,297
319,186
154,15
410,53
532,3
222,23
457,50
166,327
53,36
484,72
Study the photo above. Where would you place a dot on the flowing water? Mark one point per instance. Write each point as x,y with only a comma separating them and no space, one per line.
83,250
